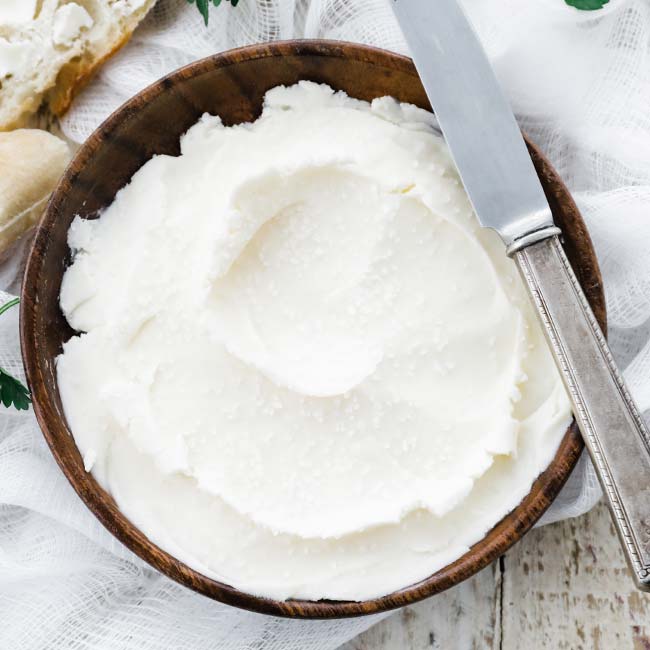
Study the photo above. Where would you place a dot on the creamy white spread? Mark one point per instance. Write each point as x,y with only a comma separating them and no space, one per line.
16,12
305,370
69,21
14,56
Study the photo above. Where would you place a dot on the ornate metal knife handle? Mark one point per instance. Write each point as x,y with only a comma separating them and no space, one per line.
611,424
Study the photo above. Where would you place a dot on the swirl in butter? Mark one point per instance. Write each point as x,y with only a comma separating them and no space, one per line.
304,369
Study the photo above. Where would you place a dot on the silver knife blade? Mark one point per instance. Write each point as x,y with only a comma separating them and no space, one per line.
500,179
475,118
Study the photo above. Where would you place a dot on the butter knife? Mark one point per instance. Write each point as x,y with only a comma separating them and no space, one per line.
497,172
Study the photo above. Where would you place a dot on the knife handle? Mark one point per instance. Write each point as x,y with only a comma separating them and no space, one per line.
611,425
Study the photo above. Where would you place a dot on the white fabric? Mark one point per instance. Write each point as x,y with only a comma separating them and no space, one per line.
580,83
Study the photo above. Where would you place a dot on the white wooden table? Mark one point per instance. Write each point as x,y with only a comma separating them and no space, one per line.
563,587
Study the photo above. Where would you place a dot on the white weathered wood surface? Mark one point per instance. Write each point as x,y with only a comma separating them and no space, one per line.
563,587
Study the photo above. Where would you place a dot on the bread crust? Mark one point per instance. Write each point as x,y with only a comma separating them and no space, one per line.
74,75
31,162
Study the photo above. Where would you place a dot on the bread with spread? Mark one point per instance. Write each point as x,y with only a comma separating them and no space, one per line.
48,48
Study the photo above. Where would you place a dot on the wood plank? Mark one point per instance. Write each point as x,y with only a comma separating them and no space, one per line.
462,618
567,586
563,587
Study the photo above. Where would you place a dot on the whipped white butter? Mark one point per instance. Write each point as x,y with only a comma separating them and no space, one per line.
69,21
14,56
305,370
16,12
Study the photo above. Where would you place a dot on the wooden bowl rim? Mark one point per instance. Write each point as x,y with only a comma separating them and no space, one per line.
498,540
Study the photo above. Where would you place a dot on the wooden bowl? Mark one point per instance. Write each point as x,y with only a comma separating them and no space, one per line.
232,85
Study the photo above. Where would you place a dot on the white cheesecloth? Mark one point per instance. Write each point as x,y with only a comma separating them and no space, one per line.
580,85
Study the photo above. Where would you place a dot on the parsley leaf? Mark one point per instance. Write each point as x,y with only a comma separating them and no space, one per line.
11,390
204,7
587,5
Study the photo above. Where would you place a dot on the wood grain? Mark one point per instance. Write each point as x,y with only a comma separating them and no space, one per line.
569,586
466,617
563,587
232,85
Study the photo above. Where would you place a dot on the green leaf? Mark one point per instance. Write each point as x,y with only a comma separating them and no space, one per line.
22,401
587,5
204,7
7,394
13,392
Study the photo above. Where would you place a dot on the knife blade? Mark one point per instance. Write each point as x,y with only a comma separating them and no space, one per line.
475,118
497,172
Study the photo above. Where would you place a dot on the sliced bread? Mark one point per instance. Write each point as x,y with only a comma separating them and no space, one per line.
31,163
48,48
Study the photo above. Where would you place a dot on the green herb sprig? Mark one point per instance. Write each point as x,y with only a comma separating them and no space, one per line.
204,7
587,5
12,392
